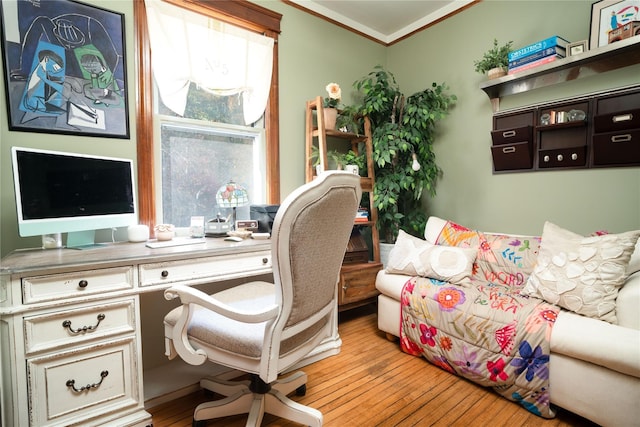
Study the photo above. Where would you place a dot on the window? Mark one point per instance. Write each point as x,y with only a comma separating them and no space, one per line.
216,151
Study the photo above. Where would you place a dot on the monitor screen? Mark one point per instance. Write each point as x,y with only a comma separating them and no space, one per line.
60,192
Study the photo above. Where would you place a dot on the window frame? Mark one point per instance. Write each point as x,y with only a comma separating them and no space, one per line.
242,13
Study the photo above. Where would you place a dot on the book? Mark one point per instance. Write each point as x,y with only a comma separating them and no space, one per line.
554,50
537,46
533,64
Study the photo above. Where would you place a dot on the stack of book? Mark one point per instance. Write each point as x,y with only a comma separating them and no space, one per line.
362,215
536,54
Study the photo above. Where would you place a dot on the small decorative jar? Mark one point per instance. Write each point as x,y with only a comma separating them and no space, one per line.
164,231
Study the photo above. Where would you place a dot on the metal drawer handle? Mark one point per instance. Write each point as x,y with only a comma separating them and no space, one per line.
509,133
164,274
67,324
507,150
622,118
621,138
265,260
560,157
574,156
83,283
72,383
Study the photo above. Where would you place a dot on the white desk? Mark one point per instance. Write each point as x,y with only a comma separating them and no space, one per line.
74,315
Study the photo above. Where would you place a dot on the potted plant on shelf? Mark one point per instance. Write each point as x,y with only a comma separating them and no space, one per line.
330,105
495,61
403,134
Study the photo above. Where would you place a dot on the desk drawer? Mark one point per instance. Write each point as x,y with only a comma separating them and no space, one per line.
201,270
512,156
104,377
72,285
73,327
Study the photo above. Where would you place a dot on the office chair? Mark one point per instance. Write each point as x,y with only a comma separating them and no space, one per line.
265,328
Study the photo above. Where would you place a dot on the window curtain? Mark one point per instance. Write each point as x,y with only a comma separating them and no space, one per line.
188,47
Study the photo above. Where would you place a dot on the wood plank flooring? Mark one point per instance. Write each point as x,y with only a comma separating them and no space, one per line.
367,385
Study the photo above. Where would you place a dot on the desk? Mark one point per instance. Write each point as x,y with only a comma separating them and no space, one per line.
81,331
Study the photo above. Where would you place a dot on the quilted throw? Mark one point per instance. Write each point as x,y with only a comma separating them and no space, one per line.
484,330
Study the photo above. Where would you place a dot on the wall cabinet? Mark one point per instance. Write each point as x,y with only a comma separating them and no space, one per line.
597,130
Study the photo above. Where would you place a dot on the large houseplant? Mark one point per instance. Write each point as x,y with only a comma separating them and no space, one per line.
403,131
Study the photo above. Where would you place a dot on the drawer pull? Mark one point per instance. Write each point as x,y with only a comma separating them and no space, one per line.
621,138
622,118
164,274
67,324
72,383
546,158
507,150
509,133
83,284
265,260
560,157
574,156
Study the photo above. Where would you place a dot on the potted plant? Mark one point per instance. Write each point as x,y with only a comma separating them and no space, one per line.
495,61
330,105
403,134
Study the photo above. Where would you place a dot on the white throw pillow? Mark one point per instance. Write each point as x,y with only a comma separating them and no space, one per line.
417,257
581,274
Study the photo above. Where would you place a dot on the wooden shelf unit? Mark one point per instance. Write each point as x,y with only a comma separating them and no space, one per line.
357,280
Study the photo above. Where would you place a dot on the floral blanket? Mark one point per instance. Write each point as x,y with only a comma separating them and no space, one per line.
483,329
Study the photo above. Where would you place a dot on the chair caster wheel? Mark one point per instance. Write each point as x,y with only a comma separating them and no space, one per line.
201,423
302,390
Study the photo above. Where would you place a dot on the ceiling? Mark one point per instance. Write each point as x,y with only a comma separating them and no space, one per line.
386,21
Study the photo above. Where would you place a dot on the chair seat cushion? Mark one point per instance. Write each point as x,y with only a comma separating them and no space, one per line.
226,334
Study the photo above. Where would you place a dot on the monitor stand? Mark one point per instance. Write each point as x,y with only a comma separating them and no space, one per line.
82,240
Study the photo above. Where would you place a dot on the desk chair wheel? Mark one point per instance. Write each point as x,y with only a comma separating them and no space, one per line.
302,390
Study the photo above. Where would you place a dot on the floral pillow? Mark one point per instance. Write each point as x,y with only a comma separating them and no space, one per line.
417,257
582,274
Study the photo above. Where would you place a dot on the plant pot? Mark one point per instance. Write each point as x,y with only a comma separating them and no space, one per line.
495,73
385,250
330,118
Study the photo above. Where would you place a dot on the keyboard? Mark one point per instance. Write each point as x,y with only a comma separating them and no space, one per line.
181,241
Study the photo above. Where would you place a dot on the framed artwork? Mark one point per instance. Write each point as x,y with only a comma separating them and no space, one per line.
607,15
577,48
65,69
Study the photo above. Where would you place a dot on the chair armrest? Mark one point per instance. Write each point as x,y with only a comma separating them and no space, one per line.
190,295
628,302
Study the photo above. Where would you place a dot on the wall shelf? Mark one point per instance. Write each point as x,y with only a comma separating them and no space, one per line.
599,60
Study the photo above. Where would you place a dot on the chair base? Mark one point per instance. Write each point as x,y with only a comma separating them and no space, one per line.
255,397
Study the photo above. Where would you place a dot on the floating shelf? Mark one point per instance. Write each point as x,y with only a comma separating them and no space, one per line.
595,61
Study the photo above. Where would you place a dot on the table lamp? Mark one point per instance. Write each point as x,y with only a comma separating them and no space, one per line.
232,195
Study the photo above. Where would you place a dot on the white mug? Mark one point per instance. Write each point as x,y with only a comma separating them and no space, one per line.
138,233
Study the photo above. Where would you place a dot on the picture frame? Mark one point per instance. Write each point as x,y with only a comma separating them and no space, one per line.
65,68
607,14
577,48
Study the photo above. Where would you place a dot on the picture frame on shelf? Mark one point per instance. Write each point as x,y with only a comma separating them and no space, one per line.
65,68
577,48
607,15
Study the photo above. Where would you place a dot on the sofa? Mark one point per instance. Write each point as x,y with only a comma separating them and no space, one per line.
594,359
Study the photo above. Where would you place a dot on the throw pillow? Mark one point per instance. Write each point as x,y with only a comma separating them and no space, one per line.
417,257
581,274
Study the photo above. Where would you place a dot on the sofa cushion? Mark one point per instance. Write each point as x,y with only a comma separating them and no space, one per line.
503,259
417,257
582,274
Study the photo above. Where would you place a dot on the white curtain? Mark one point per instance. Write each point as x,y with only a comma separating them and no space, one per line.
189,47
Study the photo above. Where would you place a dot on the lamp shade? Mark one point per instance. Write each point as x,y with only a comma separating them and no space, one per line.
232,195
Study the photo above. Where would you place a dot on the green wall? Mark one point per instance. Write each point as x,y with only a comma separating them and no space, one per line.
314,52
581,200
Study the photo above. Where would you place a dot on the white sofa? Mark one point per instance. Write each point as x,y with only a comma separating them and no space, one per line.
594,365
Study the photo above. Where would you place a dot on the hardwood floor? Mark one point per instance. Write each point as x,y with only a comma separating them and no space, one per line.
368,384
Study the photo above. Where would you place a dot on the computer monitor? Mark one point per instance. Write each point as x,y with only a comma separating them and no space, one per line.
59,192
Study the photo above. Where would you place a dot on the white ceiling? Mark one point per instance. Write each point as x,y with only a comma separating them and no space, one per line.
384,20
